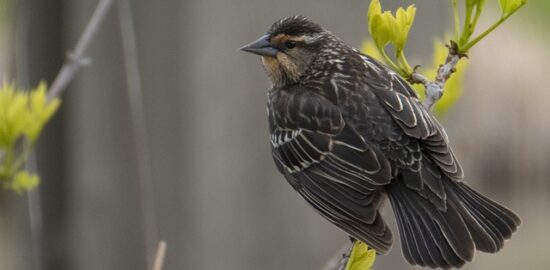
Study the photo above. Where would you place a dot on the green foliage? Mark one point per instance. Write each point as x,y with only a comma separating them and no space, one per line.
23,114
386,29
473,11
23,181
361,258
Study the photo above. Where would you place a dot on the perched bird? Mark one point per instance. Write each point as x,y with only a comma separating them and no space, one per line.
348,133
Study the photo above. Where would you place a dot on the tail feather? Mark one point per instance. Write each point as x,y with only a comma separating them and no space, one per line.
431,237
497,222
448,237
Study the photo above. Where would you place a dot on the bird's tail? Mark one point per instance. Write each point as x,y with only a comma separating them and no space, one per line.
447,235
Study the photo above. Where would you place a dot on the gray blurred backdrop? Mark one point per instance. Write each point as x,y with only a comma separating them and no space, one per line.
218,200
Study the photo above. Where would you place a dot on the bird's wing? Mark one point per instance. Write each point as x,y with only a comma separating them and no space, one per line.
331,166
402,103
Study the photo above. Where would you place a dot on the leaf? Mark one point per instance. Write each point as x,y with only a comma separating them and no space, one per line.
404,21
23,114
510,6
382,26
14,114
385,28
374,9
23,181
40,110
361,257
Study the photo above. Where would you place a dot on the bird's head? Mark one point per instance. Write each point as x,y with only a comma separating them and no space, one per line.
289,48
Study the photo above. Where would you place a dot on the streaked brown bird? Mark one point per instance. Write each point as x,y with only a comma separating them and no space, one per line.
347,133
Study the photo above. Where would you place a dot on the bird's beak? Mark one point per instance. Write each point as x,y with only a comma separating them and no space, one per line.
260,47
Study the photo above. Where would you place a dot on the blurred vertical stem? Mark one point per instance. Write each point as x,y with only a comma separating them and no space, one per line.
135,96
36,219
73,62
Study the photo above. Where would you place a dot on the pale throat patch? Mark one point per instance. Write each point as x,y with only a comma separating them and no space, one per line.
271,66
281,67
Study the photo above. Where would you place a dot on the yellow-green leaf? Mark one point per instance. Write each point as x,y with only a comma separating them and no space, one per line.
382,29
374,9
510,6
361,257
41,111
385,28
404,21
14,114
23,181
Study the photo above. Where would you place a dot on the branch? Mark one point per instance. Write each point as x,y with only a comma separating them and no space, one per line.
75,59
435,89
159,256
340,260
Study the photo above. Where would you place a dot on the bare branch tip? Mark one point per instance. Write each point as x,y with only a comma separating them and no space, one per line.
160,255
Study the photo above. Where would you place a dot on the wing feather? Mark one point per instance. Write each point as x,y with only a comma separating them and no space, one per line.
332,167
415,121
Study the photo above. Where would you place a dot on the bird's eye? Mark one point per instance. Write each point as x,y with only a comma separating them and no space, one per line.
290,44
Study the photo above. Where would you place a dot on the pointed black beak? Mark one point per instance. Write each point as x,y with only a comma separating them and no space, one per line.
260,47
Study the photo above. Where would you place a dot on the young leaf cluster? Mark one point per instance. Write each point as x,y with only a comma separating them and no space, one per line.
361,258
23,114
387,29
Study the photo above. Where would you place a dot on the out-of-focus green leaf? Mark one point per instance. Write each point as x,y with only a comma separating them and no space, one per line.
23,181
14,114
361,257
23,114
41,111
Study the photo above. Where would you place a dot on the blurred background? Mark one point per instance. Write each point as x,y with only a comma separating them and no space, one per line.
215,196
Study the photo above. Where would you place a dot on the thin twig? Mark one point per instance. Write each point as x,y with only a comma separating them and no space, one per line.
160,255
35,210
135,95
75,59
36,219
340,260
435,88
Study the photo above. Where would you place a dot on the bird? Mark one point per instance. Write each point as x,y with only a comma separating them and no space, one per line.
350,134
